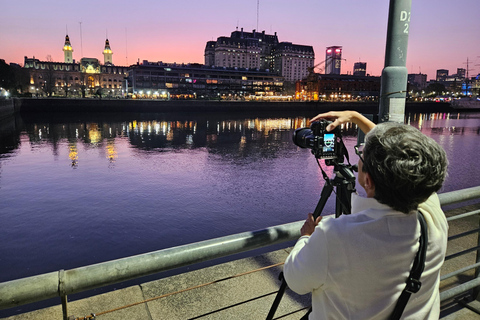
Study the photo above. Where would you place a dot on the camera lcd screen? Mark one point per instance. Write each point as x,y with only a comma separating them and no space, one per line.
329,142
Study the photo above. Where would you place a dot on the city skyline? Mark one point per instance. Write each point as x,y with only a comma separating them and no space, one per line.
443,34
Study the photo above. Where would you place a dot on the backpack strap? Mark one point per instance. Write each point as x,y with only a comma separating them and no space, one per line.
413,283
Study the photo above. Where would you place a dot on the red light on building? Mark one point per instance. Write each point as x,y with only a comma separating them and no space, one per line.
329,51
338,50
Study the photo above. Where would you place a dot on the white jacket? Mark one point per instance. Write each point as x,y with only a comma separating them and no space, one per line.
356,265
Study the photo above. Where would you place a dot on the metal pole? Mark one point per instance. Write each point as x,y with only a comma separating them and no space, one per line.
394,75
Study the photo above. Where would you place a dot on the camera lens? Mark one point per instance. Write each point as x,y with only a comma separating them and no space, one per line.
303,138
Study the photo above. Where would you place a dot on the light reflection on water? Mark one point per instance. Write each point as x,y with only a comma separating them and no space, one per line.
76,191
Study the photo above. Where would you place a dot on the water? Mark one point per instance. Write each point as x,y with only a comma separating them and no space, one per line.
77,189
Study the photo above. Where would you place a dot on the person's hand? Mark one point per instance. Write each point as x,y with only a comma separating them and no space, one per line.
309,226
341,117
338,118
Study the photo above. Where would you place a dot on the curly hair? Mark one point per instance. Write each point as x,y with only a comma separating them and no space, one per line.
405,165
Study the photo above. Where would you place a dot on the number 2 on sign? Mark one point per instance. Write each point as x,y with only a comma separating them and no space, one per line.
405,16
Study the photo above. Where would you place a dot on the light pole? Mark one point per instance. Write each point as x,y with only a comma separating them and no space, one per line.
394,75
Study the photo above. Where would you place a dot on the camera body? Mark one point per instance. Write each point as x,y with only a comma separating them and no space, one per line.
324,144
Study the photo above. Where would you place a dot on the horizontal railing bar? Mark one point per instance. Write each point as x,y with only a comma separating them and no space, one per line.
463,215
459,195
461,253
464,234
45,286
461,288
27,290
459,271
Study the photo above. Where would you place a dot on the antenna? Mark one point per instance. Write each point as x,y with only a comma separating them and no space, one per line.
126,47
258,9
81,39
467,67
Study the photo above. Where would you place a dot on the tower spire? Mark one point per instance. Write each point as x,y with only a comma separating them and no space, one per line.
107,53
68,50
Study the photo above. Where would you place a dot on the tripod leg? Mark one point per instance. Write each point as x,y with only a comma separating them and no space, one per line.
278,297
326,192
344,198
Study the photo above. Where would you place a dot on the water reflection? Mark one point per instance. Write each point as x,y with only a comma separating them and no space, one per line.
238,137
73,154
446,123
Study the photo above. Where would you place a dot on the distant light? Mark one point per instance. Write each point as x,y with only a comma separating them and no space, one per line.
329,51
338,50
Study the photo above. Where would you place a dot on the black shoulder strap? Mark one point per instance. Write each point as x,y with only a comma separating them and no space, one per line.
413,281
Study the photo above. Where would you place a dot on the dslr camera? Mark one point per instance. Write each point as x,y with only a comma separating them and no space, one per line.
324,145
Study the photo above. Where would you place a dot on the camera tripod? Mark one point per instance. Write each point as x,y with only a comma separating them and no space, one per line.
344,182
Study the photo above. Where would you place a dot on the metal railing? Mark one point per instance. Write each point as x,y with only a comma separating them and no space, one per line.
474,283
64,282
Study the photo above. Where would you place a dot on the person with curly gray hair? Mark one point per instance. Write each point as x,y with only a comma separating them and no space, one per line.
356,265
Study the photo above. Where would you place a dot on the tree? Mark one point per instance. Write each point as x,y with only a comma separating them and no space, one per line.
436,87
7,77
13,78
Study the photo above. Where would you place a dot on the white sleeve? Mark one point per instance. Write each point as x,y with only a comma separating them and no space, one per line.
306,267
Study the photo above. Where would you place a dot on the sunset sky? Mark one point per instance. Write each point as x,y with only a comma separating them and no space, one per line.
443,34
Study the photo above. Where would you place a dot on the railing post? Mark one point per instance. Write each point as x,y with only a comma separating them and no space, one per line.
476,290
62,293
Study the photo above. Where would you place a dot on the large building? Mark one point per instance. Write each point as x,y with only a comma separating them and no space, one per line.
260,51
333,60
442,75
293,61
360,69
190,81
86,78
333,87
418,80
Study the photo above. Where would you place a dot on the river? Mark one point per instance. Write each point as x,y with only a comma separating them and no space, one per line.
78,189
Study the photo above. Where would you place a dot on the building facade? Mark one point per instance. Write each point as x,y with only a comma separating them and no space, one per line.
417,80
260,51
76,79
293,61
442,74
320,87
333,60
360,69
197,81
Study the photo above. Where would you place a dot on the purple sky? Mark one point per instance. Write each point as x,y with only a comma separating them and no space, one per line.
443,34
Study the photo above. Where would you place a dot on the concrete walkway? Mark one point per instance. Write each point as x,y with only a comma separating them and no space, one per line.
233,290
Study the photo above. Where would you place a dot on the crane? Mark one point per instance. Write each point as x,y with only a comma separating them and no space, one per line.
312,69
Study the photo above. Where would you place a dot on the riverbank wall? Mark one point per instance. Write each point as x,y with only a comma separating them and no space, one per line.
28,105
7,108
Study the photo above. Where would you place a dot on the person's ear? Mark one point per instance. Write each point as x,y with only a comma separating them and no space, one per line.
369,185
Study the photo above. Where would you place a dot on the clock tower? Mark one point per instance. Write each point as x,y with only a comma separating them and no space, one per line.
107,54
68,50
